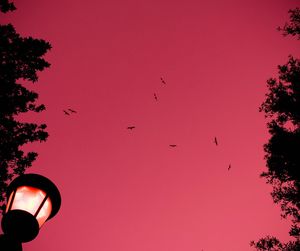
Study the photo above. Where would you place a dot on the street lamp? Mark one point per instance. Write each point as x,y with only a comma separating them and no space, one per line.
32,200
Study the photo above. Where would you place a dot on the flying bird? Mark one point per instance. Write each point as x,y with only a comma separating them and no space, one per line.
229,167
155,96
172,145
72,110
130,127
216,141
163,81
66,113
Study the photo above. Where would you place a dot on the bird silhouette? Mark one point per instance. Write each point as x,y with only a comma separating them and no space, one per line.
66,113
229,167
172,145
155,96
216,141
130,127
163,81
72,110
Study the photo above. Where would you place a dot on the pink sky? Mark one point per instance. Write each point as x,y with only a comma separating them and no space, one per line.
128,190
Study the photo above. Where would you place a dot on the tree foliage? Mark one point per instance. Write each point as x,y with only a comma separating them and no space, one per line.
270,243
20,59
293,27
282,107
6,6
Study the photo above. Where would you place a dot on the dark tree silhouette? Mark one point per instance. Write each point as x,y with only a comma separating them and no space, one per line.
6,6
20,60
293,27
282,107
270,243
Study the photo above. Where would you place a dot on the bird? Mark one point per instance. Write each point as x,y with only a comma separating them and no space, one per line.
216,141
229,167
130,127
163,81
66,113
72,110
172,145
155,96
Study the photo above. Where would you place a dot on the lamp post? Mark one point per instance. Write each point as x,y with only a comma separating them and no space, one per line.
32,200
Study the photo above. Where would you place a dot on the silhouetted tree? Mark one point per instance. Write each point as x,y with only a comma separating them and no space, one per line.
6,6
293,27
270,243
282,107
20,59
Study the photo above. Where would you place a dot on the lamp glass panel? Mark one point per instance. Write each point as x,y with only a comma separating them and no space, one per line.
9,201
44,212
29,199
